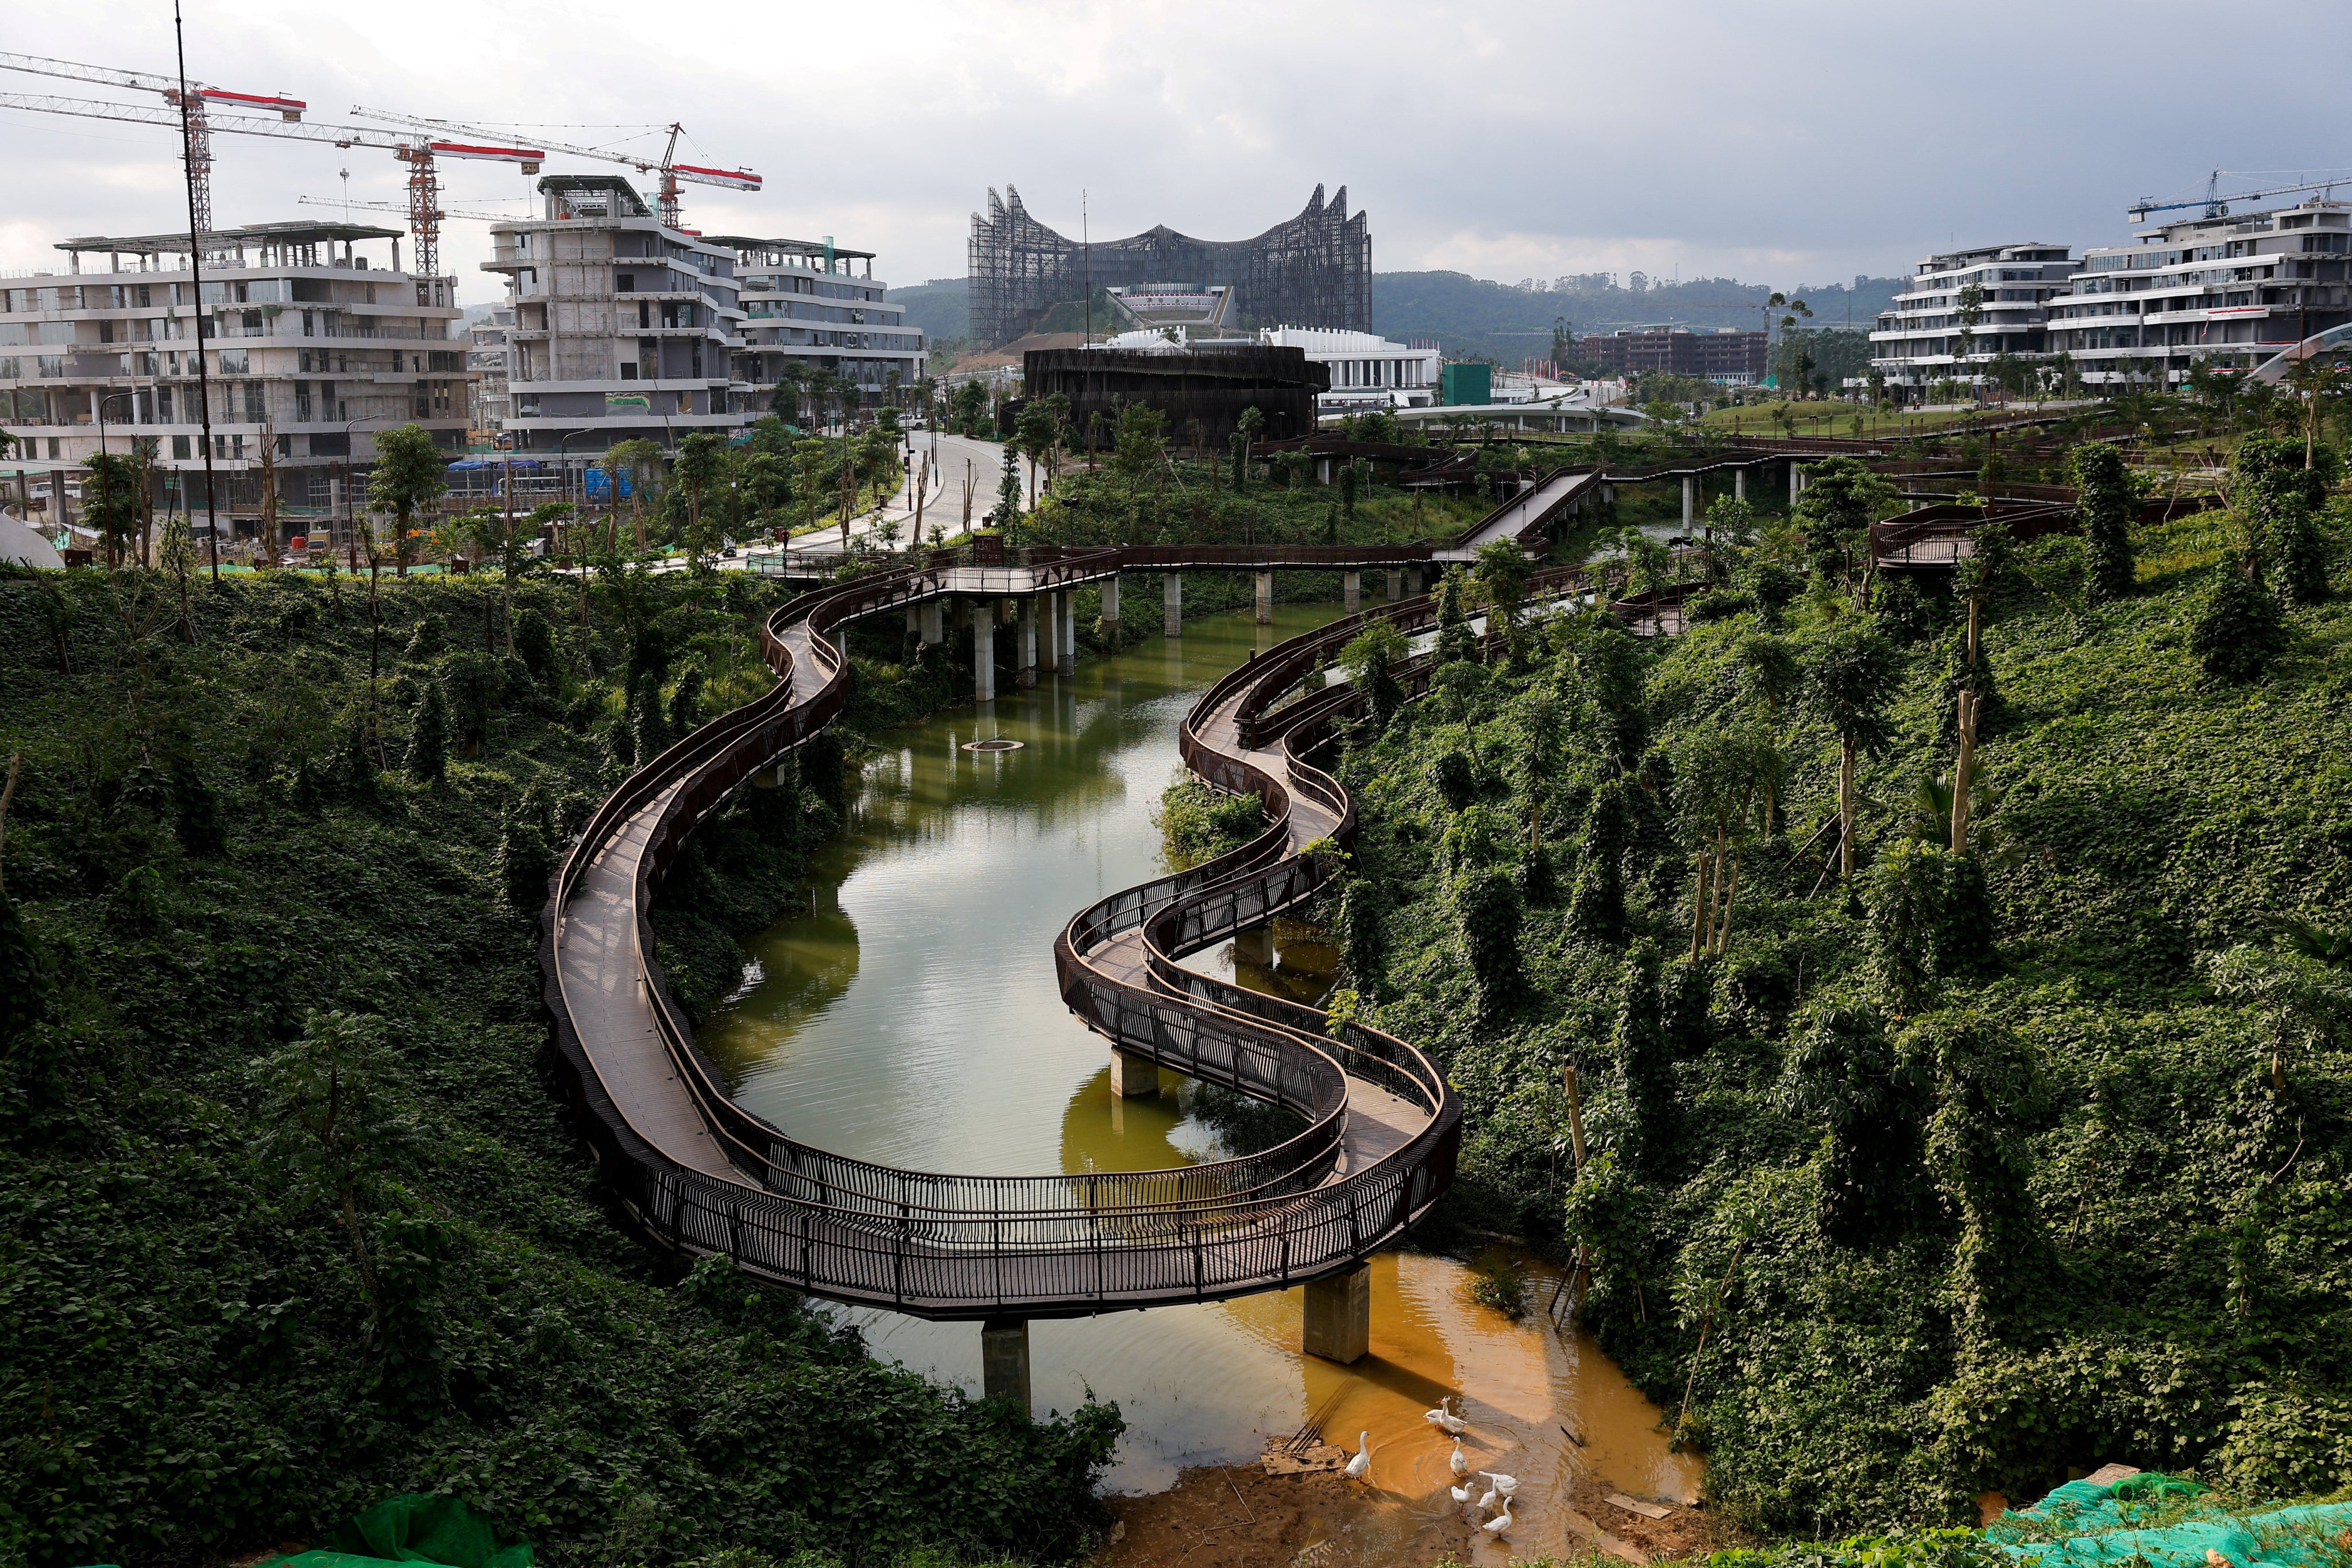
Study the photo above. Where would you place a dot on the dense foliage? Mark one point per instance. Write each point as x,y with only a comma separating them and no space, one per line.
1990,1150
290,1218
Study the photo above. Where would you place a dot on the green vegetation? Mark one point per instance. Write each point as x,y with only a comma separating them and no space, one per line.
2020,1103
290,1216
1198,823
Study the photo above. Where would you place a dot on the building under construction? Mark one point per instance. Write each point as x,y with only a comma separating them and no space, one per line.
1314,270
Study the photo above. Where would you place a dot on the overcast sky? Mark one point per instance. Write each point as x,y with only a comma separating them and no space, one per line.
1784,144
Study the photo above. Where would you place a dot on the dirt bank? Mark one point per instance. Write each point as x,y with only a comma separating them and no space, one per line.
1239,1517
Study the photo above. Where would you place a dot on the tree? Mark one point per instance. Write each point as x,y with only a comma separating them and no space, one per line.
1596,904
1488,911
409,473
1455,643
1370,658
701,474
1930,918
110,501
1606,671
1843,1070
428,746
1499,578
335,1126
2107,507
1851,681
1723,774
1036,432
1833,516
2238,629
1984,1085
1247,429
1007,514
1644,1058
2301,991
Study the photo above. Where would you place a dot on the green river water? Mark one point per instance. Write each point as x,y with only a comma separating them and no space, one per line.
911,1017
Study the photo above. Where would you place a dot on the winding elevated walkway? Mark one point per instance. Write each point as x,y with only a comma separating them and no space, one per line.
703,1175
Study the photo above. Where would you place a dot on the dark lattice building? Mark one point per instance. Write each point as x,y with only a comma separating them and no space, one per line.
1201,393
1315,270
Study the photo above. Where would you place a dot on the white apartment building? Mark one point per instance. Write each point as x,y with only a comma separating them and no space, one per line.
1922,340
2228,291
800,302
311,346
624,328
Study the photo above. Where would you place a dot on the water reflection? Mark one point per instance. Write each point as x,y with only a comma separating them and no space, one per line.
911,1017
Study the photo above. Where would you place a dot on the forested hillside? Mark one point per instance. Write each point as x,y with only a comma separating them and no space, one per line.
290,1215
1931,1160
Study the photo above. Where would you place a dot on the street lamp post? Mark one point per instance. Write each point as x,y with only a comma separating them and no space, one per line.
351,502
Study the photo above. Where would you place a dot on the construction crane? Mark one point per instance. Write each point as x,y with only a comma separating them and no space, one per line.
670,170
2217,206
418,153
198,126
401,207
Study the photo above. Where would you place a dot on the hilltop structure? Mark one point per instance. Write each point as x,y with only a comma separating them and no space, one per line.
1314,270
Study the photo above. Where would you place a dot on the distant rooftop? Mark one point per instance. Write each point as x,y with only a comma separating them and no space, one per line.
751,245
252,234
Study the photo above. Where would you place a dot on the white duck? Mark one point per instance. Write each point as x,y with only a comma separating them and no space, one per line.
1506,1487
1500,1524
1461,1493
1486,1499
1457,1461
1443,1418
1361,1465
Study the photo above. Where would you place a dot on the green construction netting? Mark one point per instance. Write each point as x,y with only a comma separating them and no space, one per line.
413,1529
2085,1525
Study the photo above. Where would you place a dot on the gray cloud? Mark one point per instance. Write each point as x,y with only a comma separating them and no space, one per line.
1799,142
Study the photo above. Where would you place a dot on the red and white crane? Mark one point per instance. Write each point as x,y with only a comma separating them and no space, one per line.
419,152
671,171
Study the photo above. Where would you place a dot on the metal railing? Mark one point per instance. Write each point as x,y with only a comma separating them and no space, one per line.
959,1246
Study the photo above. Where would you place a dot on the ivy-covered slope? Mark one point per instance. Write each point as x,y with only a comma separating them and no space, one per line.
289,1215
1974,1168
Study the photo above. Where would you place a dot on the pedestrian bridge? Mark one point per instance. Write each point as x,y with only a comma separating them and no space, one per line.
702,1175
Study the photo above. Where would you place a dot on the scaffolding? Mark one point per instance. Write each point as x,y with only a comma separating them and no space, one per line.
1314,270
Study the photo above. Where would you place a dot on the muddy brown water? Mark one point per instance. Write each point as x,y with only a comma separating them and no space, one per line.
911,1017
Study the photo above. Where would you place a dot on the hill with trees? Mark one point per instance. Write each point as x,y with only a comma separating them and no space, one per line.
1922,1013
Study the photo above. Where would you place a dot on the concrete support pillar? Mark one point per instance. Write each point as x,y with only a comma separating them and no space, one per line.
934,620
1049,632
1024,658
1396,585
1066,653
1690,500
1256,945
840,637
1265,598
1739,484
1005,1359
1172,604
1413,589
983,651
914,617
1796,482
1351,591
1133,1076
1110,600
1339,1315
